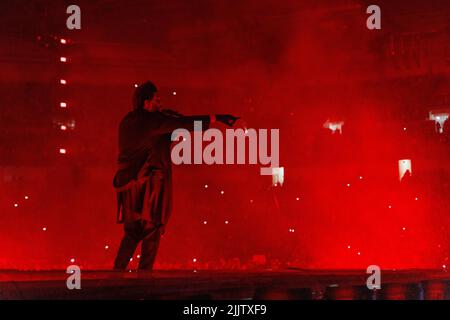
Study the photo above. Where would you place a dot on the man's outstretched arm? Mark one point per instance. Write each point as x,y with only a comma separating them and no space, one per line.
169,123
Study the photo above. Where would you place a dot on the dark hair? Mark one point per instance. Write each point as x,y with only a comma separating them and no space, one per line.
143,92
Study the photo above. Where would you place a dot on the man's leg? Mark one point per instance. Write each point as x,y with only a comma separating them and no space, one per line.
130,241
149,248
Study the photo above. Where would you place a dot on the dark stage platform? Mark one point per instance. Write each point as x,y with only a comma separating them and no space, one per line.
217,285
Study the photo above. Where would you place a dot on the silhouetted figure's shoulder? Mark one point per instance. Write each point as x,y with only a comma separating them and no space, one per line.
140,115
141,119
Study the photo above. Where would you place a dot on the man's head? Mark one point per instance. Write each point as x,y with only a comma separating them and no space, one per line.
146,97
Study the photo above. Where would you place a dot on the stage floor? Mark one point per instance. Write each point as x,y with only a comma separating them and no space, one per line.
218,285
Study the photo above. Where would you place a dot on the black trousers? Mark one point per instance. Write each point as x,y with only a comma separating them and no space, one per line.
136,232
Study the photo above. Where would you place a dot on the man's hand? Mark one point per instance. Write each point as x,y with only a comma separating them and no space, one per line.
227,119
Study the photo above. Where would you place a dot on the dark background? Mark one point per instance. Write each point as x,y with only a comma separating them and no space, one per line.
290,65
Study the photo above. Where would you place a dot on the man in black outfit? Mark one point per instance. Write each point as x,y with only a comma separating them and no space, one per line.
143,180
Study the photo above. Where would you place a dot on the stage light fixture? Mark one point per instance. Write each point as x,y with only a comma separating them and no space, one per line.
404,166
439,117
277,176
334,125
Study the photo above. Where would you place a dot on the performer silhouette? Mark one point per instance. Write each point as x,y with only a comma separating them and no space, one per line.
143,180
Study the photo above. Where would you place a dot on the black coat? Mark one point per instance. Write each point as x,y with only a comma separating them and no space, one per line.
143,181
